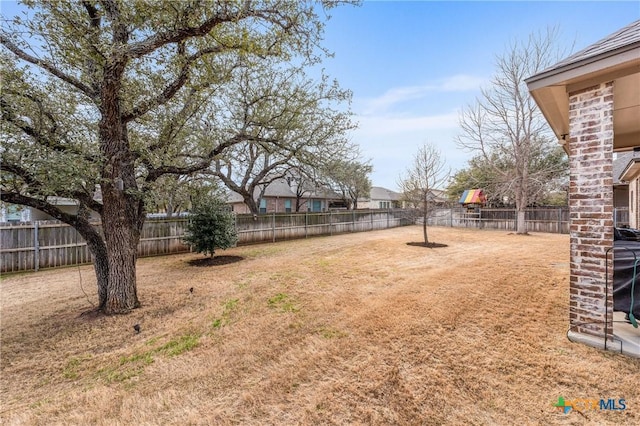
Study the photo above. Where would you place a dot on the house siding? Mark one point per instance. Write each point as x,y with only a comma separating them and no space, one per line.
591,209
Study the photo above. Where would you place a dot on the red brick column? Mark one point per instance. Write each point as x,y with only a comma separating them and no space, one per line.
591,208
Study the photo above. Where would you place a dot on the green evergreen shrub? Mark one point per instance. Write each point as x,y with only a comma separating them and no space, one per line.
211,226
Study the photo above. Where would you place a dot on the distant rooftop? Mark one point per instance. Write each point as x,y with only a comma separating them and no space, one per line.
380,193
280,188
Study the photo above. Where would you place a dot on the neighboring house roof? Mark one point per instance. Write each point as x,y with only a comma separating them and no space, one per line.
473,196
63,201
631,170
279,188
614,58
619,164
234,197
438,195
383,194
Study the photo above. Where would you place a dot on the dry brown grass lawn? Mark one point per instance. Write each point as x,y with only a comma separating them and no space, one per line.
350,329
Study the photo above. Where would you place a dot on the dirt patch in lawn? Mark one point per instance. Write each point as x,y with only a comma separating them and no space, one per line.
349,329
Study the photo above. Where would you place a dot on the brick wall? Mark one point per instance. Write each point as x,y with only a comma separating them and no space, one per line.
591,207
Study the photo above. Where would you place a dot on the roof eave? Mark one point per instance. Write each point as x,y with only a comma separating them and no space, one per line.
632,169
593,64
550,88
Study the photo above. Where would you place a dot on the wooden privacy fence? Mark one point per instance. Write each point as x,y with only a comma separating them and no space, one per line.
39,245
553,220
25,247
49,244
276,227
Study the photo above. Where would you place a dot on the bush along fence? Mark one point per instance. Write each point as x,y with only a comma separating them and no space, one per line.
553,220
38,245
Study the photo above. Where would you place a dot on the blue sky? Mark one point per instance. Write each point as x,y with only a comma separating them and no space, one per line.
412,66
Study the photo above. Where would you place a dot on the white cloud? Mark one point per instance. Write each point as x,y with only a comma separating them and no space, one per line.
399,95
392,97
462,83
397,125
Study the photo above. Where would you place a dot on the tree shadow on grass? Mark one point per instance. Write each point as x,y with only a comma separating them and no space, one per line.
215,261
428,245
92,314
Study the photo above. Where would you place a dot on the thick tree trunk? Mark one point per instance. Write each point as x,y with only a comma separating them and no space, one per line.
169,210
101,267
122,245
123,210
521,205
299,198
122,219
522,199
98,249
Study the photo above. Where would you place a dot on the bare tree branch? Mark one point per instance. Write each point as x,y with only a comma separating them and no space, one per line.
155,172
505,127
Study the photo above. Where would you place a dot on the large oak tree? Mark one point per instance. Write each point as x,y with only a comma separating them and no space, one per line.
112,95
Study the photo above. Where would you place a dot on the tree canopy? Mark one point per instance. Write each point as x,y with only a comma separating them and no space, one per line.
299,124
348,178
